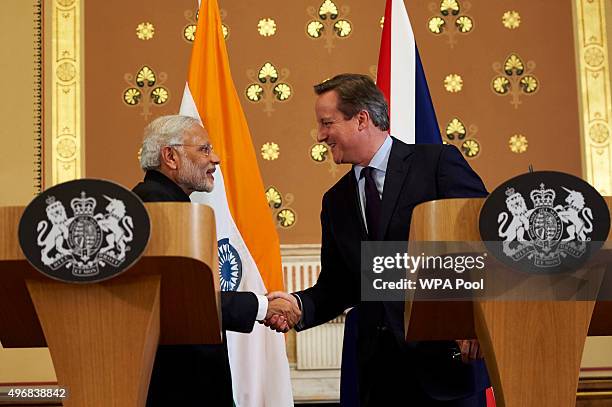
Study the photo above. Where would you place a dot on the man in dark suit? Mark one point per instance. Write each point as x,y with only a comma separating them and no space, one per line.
179,159
374,201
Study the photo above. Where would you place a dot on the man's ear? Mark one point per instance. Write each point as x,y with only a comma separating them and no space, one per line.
169,157
363,119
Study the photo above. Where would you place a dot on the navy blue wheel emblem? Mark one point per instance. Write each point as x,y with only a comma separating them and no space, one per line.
230,266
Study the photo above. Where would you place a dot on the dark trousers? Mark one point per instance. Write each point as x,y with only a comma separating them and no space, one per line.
391,379
191,376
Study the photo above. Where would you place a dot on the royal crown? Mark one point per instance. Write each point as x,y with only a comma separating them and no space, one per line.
543,197
52,204
83,206
512,195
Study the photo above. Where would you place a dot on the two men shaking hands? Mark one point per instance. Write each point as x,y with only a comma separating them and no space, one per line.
283,311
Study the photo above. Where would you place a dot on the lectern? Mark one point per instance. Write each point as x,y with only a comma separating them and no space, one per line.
102,337
532,349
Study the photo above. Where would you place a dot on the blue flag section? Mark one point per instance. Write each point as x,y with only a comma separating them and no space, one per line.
427,130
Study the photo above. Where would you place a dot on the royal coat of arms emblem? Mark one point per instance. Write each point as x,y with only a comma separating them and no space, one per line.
565,221
92,239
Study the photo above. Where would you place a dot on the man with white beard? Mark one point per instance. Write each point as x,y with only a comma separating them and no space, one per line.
179,159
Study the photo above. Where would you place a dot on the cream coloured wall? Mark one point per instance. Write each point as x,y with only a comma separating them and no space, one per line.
17,164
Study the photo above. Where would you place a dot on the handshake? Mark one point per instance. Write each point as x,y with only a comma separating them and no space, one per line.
283,311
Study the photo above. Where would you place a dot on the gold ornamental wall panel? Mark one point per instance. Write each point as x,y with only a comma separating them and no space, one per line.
67,152
595,94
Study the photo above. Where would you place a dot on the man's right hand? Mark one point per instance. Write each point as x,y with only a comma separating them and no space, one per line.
283,311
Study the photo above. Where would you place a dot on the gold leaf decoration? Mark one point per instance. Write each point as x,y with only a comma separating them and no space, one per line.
465,24
189,32
318,152
286,218
266,27
529,84
453,83
314,29
343,28
145,31
514,64
518,144
159,95
132,96
270,151
145,75
511,20
274,198
455,129
328,7
225,30
449,6
268,71
599,133
501,85
436,24
381,22
282,91
254,92
471,148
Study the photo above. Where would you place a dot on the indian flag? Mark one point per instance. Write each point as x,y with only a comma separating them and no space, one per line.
249,250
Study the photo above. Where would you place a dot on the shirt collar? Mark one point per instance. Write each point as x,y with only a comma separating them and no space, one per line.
380,159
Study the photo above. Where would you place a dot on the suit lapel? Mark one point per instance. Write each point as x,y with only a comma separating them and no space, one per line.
397,171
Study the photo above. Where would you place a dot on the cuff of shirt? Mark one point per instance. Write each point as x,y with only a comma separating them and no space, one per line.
262,309
300,324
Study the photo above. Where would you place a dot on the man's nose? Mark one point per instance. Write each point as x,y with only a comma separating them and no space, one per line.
214,158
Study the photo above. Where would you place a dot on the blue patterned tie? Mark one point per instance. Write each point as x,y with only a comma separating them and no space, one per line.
373,204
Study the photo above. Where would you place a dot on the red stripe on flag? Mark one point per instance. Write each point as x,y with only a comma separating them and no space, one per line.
383,74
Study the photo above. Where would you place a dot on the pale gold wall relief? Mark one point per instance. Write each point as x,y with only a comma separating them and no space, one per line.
67,150
594,81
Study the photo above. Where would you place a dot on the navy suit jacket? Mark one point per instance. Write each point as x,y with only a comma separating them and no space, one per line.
415,174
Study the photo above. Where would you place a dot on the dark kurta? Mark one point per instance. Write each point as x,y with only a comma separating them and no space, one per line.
194,375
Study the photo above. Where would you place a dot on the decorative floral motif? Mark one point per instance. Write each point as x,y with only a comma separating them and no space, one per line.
254,92
145,31
455,130
324,23
514,78
66,71
189,32
518,144
381,22
318,152
511,20
471,148
285,216
453,83
594,56
66,148
462,137
270,151
599,133
274,198
266,27
147,84
451,20
267,88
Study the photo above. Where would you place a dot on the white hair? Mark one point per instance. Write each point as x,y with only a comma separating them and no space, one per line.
161,132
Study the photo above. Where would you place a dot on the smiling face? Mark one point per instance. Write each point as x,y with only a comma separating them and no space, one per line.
340,134
195,162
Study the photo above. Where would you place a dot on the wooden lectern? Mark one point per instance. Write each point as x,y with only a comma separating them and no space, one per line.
102,337
533,349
